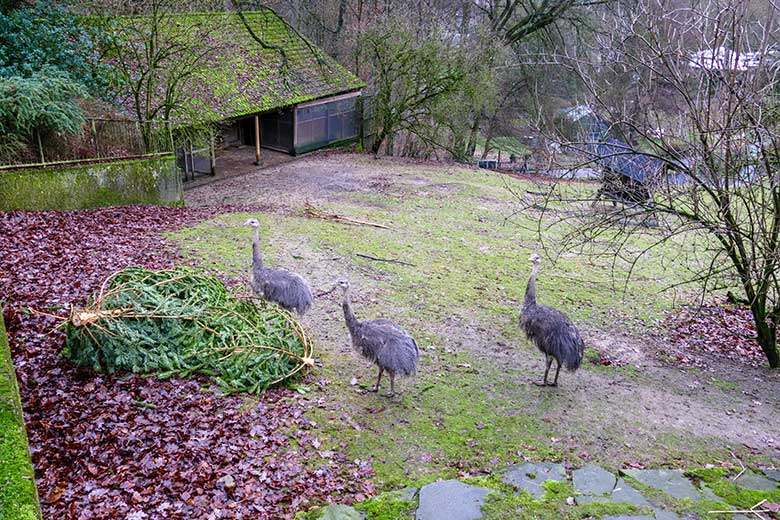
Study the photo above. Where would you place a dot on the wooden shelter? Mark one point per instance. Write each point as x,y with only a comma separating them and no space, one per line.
263,85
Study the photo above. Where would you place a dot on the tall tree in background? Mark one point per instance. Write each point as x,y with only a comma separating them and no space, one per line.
408,78
49,66
479,36
709,112
154,55
46,35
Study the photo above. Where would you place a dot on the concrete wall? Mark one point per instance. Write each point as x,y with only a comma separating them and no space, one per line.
18,494
141,181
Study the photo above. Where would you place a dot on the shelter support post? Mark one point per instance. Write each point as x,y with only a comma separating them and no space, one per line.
213,151
257,140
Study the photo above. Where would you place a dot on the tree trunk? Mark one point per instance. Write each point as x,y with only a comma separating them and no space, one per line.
766,334
379,138
465,20
472,146
389,146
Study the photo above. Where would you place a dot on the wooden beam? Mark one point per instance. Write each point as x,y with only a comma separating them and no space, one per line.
257,140
213,151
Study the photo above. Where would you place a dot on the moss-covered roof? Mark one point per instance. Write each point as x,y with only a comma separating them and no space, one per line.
241,76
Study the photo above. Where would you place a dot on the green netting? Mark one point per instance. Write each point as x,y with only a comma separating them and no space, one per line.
180,322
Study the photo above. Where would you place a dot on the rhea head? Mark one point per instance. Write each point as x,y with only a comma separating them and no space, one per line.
252,222
344,284
535,259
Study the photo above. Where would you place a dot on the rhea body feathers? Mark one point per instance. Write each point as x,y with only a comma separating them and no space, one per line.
288,289
550,330
382,342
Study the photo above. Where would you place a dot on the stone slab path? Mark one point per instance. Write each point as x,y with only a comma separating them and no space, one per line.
670,481
452,500
456,500
530,477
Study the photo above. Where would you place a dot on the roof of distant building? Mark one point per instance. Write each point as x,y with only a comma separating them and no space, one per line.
243,76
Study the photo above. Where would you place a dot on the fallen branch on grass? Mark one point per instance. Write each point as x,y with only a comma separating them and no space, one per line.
752,511
311,211
389,260
325,293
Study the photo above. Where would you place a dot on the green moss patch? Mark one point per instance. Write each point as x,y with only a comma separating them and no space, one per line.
388,506
18,495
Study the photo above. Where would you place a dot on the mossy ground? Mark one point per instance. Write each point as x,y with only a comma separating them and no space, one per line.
18,496
472,405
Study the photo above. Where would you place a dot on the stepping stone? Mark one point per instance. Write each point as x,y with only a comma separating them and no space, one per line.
671,482
756,482
628,517
660,514
626,494
773,474
339,512
593,480
587,499
709,494
530,477
451,500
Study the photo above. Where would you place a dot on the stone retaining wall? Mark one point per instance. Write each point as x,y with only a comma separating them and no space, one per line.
141,181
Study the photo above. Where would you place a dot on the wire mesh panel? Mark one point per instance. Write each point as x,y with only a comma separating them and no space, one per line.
276,130
194,162
325,123
98,139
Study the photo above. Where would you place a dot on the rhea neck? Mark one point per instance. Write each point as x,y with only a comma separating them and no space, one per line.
349,316
530,290
257,257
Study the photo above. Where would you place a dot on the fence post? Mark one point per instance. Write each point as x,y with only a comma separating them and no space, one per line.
192,161
95,139
360,122
40,146
170,135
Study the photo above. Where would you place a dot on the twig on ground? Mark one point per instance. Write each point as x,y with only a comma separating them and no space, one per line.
325,293
352,422
741,465
311,211
751,511
389,260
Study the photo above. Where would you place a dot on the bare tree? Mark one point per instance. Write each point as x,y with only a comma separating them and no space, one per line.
700,135
155,54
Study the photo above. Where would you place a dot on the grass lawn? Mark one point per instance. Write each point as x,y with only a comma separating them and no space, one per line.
472,406
18,496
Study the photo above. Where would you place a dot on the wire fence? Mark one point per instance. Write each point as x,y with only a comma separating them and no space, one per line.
99,139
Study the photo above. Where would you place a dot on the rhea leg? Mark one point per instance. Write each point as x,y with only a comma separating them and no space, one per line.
392,385
557,370
378,379
547,370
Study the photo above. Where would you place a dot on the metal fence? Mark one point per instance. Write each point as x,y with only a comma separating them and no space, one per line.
99,139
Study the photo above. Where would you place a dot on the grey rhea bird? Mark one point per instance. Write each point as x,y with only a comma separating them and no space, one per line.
550,330
280,286
383,342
